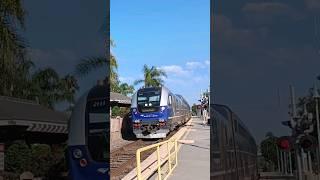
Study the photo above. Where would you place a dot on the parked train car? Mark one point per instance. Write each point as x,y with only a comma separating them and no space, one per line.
156,111
233,148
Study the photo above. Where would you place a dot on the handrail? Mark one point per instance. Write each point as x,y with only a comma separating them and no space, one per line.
173,143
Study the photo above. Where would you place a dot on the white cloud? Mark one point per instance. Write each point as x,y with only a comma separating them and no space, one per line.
207,62
195,65
128,80
198,79
175,70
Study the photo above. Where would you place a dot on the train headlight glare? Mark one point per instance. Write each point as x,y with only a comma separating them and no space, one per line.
77,153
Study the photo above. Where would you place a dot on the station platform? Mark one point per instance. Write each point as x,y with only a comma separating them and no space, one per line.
194,159
276,176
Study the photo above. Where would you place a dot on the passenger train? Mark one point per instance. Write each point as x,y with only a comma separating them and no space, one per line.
233,148
88,144
156,111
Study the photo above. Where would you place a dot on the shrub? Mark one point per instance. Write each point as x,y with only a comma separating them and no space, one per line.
115,111
42,159
18,157
120,111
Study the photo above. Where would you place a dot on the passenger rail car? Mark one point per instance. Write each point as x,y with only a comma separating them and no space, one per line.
156,111
233,148
88,144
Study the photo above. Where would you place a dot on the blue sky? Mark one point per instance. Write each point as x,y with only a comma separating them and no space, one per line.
260,48
172,35
61,39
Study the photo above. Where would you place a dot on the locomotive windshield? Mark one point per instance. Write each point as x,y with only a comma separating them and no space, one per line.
149,100
98,130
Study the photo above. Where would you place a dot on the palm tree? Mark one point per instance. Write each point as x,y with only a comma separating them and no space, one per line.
126,89
12,46
152,77
89,64
48,88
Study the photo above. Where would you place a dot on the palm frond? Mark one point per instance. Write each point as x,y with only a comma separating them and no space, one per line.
89,64
13,11
139,81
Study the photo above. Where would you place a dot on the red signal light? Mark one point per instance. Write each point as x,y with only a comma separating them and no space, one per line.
284,143
307,142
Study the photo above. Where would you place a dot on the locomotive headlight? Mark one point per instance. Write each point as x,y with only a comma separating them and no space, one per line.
77,153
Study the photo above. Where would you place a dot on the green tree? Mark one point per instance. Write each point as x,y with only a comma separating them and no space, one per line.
194,109
87,65
21,81
120,111
269,150
152,77
48,88
309,102
12,45
41,159
124,88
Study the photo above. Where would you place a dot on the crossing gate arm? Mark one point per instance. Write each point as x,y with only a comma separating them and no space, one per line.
171,164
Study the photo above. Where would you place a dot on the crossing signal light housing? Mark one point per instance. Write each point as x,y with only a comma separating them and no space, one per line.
307,142
285,143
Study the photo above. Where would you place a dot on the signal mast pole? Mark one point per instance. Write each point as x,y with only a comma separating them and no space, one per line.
294,123
316,97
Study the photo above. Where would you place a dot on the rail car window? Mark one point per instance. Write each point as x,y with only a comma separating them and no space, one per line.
98,130
170,100
149,101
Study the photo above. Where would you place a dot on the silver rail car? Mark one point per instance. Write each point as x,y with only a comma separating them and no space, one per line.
233,148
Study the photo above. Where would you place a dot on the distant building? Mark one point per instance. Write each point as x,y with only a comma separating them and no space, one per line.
119,124
27,120
119,99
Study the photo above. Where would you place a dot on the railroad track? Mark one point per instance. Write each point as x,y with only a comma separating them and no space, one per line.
123,160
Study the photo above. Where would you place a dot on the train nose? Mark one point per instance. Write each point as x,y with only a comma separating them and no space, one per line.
149,128
144,128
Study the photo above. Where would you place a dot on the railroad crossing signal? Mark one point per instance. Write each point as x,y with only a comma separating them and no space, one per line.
287,123
285,143
307,142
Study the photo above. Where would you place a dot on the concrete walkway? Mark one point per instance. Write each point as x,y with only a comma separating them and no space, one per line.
194,159
275,176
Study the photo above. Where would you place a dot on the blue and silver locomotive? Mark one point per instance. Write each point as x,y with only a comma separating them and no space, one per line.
156,111
88,145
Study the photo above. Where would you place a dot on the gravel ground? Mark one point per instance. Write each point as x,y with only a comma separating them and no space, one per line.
117,142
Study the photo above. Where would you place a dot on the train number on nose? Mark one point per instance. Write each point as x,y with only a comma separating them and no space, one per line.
101,103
